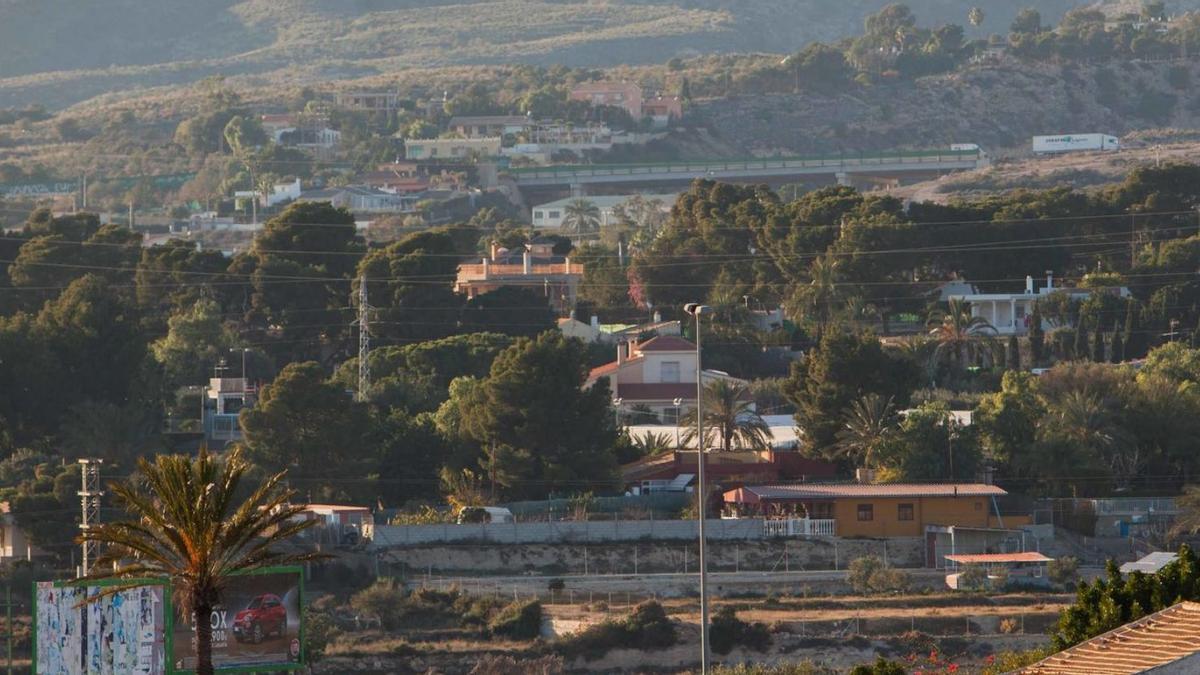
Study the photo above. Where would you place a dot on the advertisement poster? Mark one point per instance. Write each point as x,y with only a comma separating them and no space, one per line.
119,633
256,624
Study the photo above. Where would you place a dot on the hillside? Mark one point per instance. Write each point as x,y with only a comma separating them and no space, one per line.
995,106
132,43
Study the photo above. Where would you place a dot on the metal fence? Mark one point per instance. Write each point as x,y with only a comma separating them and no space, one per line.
385,536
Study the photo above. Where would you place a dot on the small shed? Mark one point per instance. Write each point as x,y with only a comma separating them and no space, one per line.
1024,566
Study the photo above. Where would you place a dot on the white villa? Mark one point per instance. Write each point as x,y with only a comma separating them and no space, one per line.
1010,313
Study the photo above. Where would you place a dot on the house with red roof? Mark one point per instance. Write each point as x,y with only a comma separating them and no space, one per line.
658,374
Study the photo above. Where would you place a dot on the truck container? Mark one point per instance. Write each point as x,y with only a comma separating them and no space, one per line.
1075,143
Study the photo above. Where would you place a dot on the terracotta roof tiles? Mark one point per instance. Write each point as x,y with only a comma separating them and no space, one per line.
1156,640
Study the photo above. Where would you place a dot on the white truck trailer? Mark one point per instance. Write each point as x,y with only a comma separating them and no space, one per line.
1043,145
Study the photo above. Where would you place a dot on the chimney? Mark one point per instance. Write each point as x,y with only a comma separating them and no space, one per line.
595,321
1049,281
620,353
527,261
495,248
1028,284
657,317
487,267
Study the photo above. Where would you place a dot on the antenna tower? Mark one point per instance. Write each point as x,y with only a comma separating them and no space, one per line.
364,340
89,497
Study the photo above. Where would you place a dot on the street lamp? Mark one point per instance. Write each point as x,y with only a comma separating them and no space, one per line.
617,401
698,310
678,403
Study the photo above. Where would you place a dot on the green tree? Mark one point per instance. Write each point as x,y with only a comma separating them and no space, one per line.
1037,337
307,425
188,523
1012,358
1028,21
510,310
194,341
844,367
549,432
581,217
931,446
729,418
1008,424
976,16
870,423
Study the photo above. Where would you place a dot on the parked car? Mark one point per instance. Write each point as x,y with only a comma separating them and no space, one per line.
263,616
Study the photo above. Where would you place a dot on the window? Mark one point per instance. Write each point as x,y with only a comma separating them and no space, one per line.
1020,311
555,214
670,415
821,511
669,371
978,506
904,512
866,512
539,215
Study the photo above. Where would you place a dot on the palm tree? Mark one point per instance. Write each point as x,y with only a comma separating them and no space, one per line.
581,216
188,525
960,337
730,416
1085,422
976,16
816,299
870,422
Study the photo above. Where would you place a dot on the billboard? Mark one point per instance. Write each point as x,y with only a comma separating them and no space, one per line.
256,626
122,632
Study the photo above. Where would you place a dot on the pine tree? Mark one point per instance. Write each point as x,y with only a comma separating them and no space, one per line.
1098,346
1132,337
1014,353
1118,348
1037,337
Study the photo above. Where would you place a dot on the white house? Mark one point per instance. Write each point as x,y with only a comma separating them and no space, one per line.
610,333
658,374
1009,313
551,214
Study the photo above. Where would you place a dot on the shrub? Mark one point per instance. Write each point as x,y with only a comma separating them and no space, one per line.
973,578
556,585
804,668
869,574
518,621
881,667
860,571
493,664
647,627
382,600
1009,626
727,631
1063,570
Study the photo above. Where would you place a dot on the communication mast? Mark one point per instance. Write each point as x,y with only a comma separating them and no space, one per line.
364,341
89,497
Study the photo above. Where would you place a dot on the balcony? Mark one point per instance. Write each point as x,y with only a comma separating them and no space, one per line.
222,427
799,527
480,272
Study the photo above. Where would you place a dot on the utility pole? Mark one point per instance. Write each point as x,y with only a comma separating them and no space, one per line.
364,340
698,310
89,497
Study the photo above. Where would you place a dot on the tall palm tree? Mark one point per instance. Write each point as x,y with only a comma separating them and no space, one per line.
730,417
870,422
960,337
187,525
581,216
816,300
976,16
1084,421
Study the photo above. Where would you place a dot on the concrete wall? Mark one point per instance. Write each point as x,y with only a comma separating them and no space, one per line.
771,556
388,536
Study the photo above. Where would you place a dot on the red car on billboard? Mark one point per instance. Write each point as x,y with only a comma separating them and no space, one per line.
263,616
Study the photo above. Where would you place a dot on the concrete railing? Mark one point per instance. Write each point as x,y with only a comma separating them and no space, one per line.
477,272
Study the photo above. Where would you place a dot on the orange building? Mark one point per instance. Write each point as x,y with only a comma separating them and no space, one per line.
890,510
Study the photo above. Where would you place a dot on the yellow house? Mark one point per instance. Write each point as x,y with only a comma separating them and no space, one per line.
888,510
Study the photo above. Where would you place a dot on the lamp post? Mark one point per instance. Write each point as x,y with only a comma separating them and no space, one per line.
678,403
698,310
617,401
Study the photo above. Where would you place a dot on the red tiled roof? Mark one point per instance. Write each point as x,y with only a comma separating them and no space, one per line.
666,343
1156,640
859,490
1001,558
656,391
607,369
